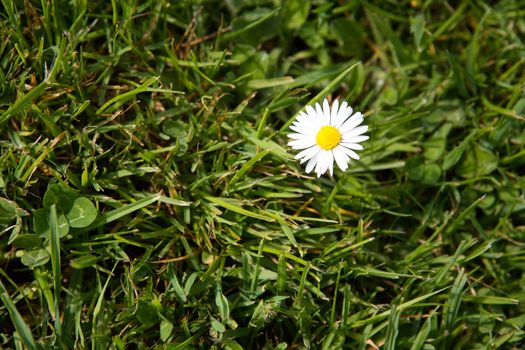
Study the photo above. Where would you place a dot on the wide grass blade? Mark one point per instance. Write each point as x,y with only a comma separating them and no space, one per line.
400,307
423,333
117,101
454,299
56,267
124,210
223,202
97,310
23,102
234,34
20,325
392,330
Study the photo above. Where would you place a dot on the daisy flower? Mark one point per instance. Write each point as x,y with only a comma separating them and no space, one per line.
327,134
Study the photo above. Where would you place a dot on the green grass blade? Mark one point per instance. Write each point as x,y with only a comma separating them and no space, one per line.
56,267
98,309
247,166
120,99
123,211
392,330
347,303
23,102
272,147
451,20
400,307
223,202
232,35
42,280
21,327
462,216
258,84
489,300
454,300
423,333
187,342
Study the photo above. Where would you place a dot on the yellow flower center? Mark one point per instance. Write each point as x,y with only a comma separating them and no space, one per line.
328,137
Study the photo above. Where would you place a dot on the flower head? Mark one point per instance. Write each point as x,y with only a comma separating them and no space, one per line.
327,134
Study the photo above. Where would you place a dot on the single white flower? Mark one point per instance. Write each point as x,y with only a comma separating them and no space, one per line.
327,134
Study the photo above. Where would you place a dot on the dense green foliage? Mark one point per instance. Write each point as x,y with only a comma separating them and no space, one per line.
148,198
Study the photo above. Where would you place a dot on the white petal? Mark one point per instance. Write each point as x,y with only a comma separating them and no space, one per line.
340,158
354,132
303,121
302,117
308,153
322,163
356,139
296,127
304,128
350,153
320,115
343,107
318,109
352,122
343,115
326,110
318,165
299,123
355,146
333,113
311,164
325,159
318,172
302,143
312,114
331,163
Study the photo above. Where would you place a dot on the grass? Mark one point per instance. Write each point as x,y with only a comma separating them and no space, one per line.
149,199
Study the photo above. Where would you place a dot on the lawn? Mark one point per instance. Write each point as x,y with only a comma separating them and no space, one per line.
149,198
